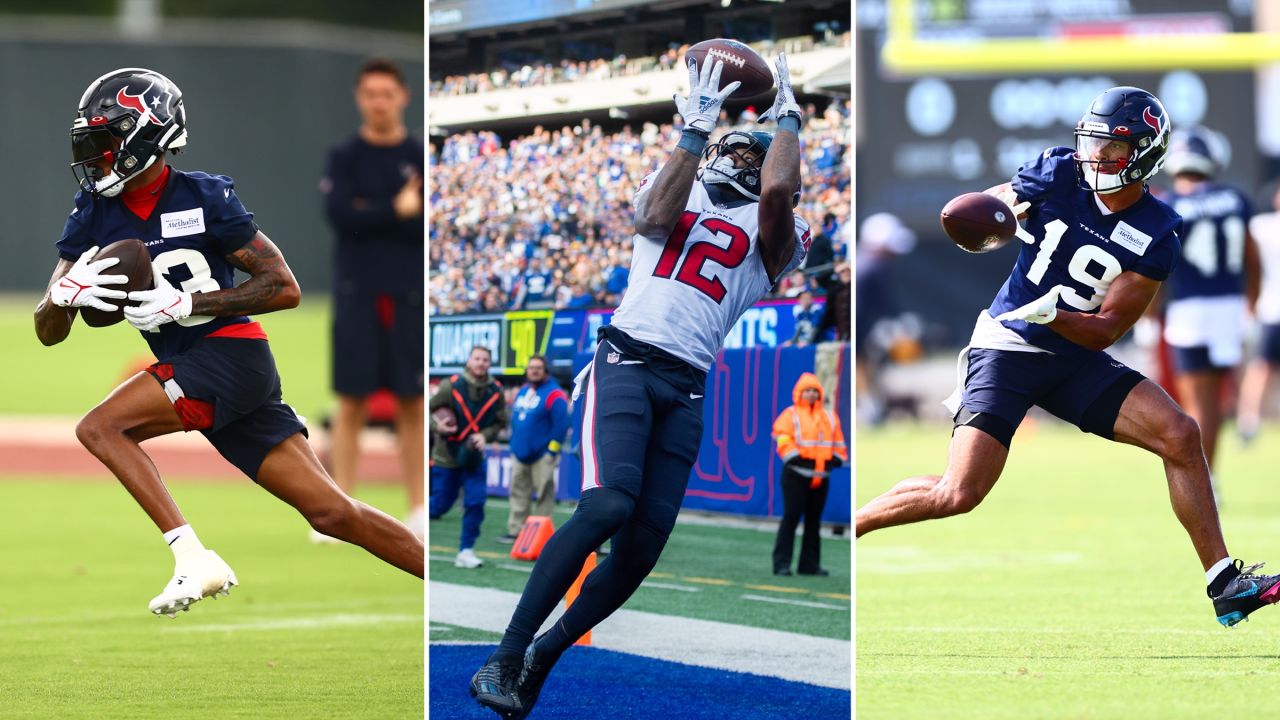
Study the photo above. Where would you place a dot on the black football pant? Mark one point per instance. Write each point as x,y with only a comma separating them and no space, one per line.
798,499
642,425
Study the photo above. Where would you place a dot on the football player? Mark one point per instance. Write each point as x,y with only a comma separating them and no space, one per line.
1097,246
707,246
1216,281
214,371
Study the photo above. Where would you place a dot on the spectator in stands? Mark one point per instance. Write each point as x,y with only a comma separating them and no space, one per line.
467,412
540,418
838,308
808,316
811,445
374,199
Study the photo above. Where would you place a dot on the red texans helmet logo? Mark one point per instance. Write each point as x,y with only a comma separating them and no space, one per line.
1151,119
138,103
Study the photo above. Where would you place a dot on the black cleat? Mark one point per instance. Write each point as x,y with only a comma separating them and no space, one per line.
1244,594
537,665
494,687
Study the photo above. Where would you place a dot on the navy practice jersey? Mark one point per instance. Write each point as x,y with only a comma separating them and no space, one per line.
195,225
1216,217
1078,246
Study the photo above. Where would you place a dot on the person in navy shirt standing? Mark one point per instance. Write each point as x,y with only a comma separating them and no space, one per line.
373,195
539,420
214,371
1096,248
1214,284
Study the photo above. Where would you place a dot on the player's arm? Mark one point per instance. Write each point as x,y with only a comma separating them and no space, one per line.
270,287
53,323
1126,300
779,179
658,209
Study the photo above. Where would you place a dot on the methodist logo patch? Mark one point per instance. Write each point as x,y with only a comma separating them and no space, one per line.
1130,238
183,222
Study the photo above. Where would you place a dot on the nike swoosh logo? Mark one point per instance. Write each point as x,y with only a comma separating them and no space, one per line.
1253,590
693,396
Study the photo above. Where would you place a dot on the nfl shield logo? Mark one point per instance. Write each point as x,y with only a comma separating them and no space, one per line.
612,358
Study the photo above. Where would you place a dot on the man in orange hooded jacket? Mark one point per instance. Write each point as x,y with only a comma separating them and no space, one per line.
811,445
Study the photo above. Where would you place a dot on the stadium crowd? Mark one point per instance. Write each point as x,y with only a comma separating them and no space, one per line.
545,220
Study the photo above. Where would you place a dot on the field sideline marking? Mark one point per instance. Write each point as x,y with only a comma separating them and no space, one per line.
311,623
801,603
1044,630
705,643
669,586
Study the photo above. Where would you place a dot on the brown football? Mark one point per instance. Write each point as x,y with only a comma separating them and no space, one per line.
135,263
741,63
978,222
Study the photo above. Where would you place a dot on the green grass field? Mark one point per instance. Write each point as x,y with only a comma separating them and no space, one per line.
704,572
72,376
1071,592
312,632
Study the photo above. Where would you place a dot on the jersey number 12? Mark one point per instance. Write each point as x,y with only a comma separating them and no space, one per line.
690,271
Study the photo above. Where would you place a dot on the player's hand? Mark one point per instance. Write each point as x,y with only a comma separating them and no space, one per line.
82,285
701,109
164,304
1041,311
1006,195
784,102
476,441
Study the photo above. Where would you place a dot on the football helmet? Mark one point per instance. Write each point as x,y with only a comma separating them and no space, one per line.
719,155
1198,150
1128,115
128,117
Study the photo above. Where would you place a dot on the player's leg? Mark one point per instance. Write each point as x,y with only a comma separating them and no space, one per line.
1150,419
811,543
409,434
292,472
792,509
974,463
136,410
519,497
1253,392
344,439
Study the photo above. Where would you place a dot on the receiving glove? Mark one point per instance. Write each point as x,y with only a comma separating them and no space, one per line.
784,102
1041,311
701,109
82,285
164,304
1010,198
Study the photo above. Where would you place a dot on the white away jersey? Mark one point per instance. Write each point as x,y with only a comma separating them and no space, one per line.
687,290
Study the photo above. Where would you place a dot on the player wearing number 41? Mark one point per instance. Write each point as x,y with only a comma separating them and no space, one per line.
704,252
215,372
1097,246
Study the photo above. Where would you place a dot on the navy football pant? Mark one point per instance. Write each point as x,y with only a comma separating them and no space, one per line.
642,425
445,484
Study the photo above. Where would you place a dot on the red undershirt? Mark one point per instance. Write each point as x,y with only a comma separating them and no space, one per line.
142,201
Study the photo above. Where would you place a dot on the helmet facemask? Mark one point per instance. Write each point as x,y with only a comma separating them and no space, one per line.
749,152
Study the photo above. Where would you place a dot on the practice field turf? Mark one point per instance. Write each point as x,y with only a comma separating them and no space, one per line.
1071,592
313,631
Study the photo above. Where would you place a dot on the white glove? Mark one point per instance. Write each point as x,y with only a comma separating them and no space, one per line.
164,304
784,102
82,285
1010,198
701,109
1041,311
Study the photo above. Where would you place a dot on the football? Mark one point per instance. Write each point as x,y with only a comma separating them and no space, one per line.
135,263
741,63
978,222
444,420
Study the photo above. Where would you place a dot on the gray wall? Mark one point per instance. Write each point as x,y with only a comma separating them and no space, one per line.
266,116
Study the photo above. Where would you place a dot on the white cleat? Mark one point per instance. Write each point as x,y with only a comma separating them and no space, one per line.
205,575
467,559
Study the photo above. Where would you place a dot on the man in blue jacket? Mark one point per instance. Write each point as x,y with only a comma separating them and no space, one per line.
539,419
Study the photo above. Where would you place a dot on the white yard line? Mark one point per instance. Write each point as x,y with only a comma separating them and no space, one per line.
306,623
705,643
800,603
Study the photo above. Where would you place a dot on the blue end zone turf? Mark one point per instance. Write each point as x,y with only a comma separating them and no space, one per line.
589,682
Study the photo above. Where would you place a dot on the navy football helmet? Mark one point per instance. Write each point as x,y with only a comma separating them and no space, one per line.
719,155
1198,150
1122,117
128,117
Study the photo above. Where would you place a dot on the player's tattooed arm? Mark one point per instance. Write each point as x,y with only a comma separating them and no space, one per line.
1126,300
779,180
53,323
270,287
658,210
